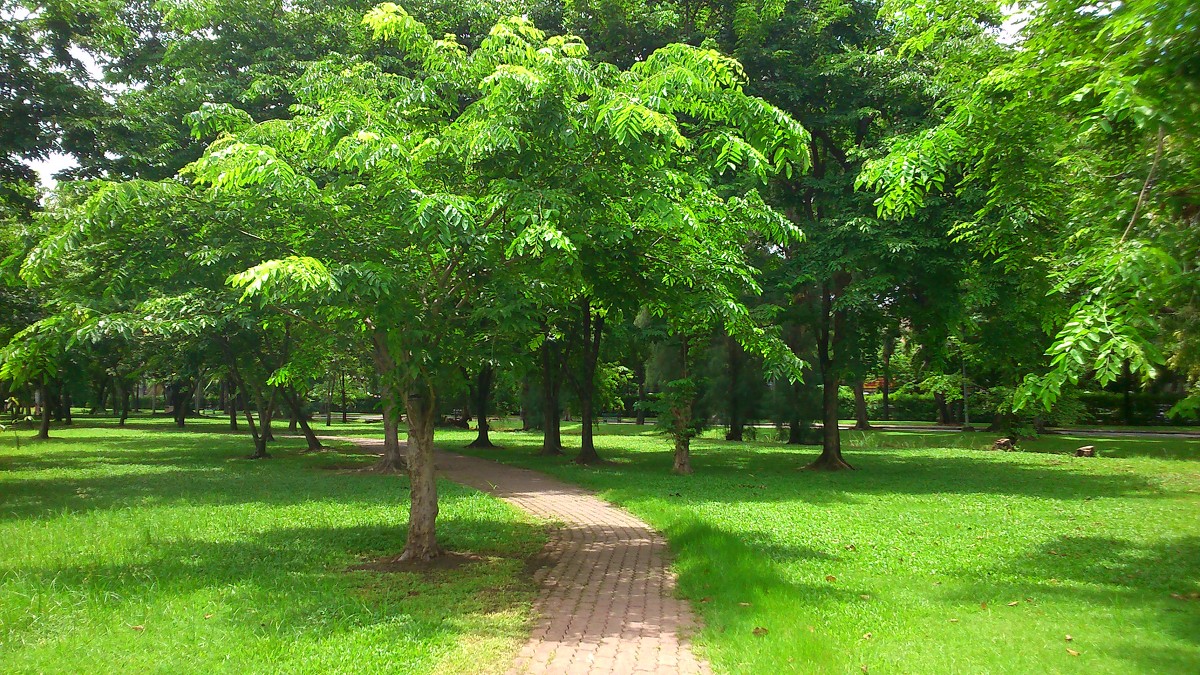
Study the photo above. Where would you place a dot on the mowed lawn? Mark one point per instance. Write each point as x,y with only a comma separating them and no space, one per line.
154,550
926,559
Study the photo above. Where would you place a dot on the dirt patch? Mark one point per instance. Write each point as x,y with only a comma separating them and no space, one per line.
446,561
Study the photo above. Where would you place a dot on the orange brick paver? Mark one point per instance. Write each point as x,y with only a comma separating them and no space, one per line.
607,602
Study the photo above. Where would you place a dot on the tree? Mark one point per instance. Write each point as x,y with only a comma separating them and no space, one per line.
1080,137
416,196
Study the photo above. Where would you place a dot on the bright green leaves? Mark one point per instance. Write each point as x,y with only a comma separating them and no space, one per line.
216,118
389,21
1112,326
295,278
233,165
916,166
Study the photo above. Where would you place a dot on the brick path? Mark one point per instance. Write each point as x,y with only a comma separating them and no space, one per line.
607,603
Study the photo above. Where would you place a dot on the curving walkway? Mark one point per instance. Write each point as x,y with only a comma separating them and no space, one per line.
607,603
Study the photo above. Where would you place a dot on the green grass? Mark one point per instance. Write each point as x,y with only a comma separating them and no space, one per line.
909,564
154,550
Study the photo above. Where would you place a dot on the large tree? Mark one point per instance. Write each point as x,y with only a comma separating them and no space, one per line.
409,200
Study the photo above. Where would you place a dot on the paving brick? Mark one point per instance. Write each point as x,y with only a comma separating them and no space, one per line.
607,596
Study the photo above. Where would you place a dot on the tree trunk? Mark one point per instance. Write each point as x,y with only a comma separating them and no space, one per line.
683,456
593,330
830,335
1126,394
343,371
551,415
101,390
682,410
44,430
66,407
641,393
293,402
889,346
483,394
329,403
1001,423
393,454
861,420
231,404
264,425
735,404
423,511
122,394
943,411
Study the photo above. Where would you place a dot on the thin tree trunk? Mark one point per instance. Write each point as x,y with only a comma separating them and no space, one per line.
888,347
641,394
735,404
264,424
122,392
231,405
593,330
483,394
393,453
329,403
423,510
343,395
293,402
681,412
66,406
830,336
44,429
861,421
551,415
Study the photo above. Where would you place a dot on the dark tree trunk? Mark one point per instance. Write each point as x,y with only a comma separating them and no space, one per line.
264,424
101,394
889,346
177,395
681,413
422,515
641,393
393,453
483,393
861,420
393,459
293,402
593,330
526,422
1001,423
343,371
830,335
44,430
269,417
329,403
734,351
796,428
683,456
551,414
231,403
1126,394
66,406
122,396
943,410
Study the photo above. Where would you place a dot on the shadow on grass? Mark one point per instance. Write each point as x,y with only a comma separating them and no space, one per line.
288,583
1160,582
739,591
776,474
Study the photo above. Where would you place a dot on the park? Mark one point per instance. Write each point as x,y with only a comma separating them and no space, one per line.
600,336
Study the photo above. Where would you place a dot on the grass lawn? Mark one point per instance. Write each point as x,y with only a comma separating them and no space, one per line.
153,550
934,557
